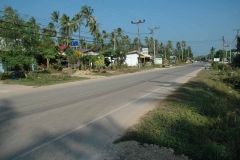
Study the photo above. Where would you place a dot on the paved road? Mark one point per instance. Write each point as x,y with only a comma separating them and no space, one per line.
77,120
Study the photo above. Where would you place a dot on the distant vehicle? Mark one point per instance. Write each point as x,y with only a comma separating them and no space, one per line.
225,61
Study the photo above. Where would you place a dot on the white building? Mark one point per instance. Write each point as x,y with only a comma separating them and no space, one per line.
133,56
132,59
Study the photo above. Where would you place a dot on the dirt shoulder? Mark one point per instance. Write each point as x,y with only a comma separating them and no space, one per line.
132,150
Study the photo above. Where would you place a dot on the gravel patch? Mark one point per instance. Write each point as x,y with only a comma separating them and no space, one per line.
132,150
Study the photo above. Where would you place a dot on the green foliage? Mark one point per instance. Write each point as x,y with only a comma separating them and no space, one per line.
57,67
42,79
236,60
201,120
215,65
99,63
220,54
47,48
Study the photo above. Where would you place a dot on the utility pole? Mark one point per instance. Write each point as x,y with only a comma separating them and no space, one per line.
237,38
226,51
223,43
153,32
114,46
230,51
138,25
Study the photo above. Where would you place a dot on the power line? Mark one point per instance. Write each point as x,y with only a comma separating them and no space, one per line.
153,32
138,25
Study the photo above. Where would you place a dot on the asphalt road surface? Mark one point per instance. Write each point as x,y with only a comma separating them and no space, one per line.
77,120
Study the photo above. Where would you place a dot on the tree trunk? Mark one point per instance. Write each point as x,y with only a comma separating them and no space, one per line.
47,62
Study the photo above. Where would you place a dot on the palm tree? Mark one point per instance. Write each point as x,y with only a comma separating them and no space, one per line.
135,43
183,47
126,40
91,22
94,27
212,51
163,49
86,13
178,46
189,51
66,29
78,18
170,47
120,34
105,34
50,30
55,17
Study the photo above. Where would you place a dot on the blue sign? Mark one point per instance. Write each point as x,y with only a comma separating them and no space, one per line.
75,43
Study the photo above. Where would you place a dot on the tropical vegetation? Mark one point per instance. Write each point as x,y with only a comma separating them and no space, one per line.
24,42
201,119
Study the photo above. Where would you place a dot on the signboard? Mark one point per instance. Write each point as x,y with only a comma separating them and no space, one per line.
144,50
74,43
216,59
158,61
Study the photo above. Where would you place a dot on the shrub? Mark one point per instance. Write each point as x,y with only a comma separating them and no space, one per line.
215,65
57,66
236,60
221,66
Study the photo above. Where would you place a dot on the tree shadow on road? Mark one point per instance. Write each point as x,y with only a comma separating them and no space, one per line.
80,143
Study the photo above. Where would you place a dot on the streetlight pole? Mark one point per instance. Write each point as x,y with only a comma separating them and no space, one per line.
138,25
153,32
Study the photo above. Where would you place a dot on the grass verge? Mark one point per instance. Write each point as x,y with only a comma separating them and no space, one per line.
201,119
41,79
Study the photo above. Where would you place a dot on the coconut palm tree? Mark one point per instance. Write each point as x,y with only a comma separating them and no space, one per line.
91,22
78,18
120,34
178,46
135,43
55,17
163,49
212,51
94,27
183,47
189,51
105,34
50,30
170,47
126,41
65,27
86,13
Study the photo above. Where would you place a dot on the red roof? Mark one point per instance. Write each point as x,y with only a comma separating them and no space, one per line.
62,48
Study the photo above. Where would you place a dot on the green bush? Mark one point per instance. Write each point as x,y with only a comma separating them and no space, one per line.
236,60
221,66
57,67
215,65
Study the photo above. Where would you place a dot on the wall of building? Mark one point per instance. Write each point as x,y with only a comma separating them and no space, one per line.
132,59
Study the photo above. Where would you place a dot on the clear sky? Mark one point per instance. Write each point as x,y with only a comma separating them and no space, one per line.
201,23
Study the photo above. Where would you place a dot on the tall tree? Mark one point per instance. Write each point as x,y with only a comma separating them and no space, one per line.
66,28
183,47
212,51
170,48
78,18
178,46
91,22
20,39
